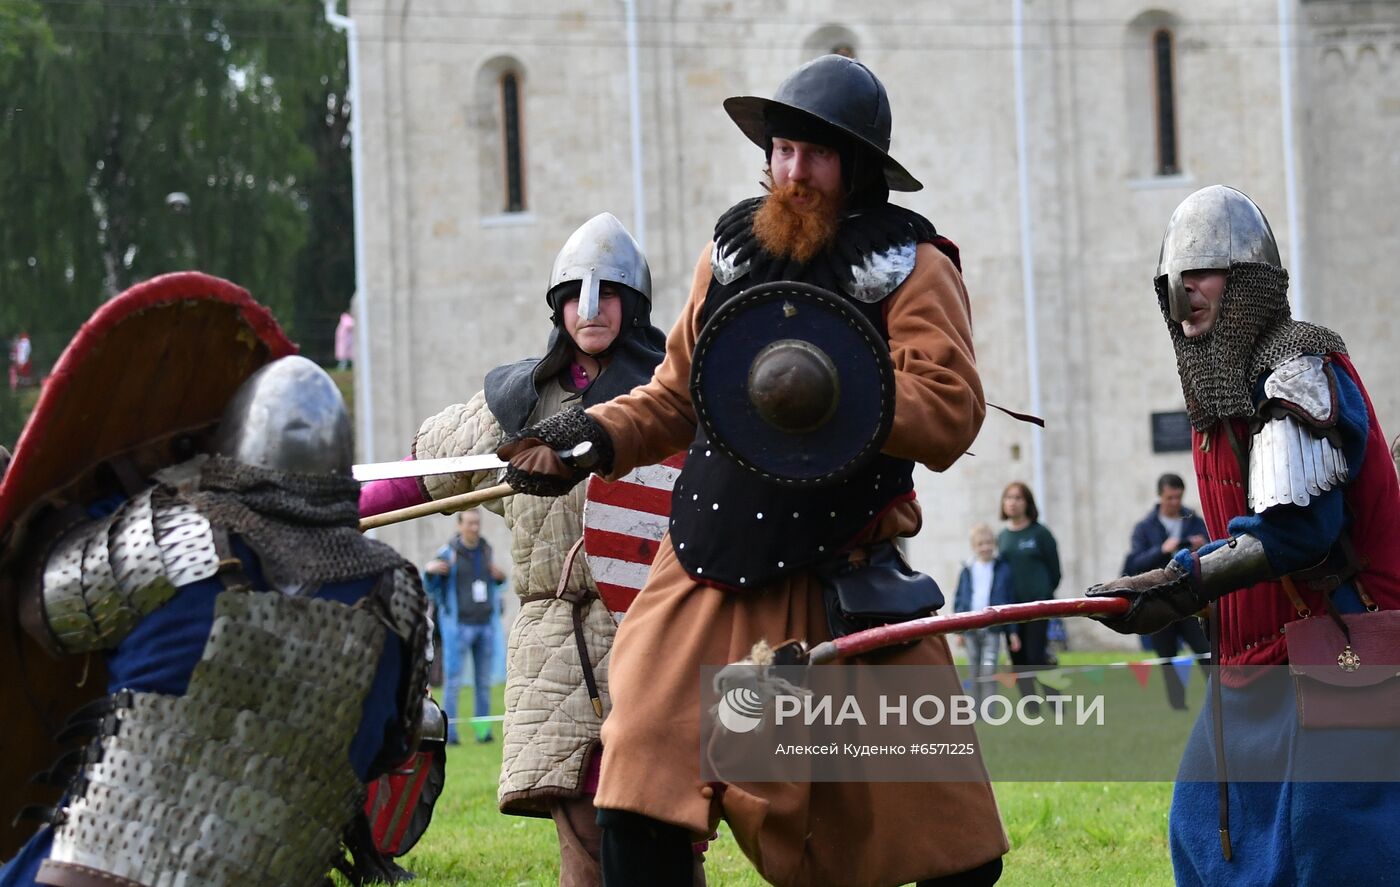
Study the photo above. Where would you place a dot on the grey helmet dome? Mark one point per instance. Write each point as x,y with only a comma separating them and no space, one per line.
288,416
1211,230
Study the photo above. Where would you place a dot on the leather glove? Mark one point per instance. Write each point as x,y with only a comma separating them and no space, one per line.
536,469
1156,598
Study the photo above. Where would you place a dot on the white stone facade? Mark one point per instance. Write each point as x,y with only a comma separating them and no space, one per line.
456,286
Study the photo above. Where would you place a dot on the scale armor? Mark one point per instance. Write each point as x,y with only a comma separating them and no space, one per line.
261,735
104,576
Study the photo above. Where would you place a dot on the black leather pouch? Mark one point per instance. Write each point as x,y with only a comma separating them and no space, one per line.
878,589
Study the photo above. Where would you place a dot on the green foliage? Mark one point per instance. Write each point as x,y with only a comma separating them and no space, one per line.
12,413
112,105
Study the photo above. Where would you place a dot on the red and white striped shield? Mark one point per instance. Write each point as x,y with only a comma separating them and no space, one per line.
623,522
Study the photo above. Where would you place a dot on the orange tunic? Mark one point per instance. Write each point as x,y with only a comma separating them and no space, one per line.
795,833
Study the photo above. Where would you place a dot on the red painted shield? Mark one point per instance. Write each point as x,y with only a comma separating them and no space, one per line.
623,523
157,361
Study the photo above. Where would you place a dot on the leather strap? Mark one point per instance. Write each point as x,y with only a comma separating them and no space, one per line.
1241,454
71,874
580,601
1217,706
231,574
1304,611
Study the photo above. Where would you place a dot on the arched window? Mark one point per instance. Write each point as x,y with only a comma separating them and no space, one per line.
511,145
1164,89
499,119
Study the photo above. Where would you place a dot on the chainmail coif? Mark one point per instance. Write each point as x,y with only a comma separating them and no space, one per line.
1253,333
303,527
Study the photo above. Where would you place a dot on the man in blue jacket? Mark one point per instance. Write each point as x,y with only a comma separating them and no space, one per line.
1168,528
464,586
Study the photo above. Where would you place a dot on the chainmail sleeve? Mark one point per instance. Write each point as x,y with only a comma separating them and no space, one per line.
467,429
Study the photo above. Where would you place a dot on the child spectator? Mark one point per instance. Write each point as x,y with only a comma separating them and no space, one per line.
985,581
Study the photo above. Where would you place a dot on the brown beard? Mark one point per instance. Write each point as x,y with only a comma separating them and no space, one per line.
796,232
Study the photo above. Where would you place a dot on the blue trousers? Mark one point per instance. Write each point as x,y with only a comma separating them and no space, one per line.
458,642
1306,807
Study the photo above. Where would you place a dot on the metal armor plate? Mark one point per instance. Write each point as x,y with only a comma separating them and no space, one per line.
723,265
1289,464
881,273
1305,384
105,575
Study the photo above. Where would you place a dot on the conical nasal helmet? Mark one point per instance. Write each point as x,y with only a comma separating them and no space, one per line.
600,250
1211,230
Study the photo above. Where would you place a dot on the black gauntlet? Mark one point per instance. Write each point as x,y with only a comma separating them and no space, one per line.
536,469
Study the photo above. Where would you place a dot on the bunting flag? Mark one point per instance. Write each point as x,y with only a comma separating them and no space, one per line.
1183,666
1141,671
1061,677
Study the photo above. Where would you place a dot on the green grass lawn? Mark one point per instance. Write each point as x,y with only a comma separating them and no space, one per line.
1069,833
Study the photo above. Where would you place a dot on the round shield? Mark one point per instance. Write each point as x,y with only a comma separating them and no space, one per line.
793,383
623,522
153,365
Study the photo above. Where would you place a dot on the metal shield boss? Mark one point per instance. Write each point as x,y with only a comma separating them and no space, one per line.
793,383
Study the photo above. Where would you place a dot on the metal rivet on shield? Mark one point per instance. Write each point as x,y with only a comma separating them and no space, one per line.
760,515
780,565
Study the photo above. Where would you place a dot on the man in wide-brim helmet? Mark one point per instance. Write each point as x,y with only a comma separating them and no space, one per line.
1301,498
739,563
601,344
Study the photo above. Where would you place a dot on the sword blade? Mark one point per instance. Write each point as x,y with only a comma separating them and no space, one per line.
426,467
580,456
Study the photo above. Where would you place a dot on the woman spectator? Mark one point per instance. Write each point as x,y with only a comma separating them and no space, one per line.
1035,573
